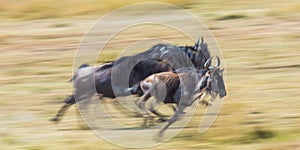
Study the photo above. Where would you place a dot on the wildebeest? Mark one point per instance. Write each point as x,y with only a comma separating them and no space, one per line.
162,57
180,88
215,87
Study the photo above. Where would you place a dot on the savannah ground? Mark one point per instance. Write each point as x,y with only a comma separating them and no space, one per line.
260,46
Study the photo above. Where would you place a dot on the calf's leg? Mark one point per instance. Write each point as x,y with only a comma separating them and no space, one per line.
154,111
141,102
141,105
174,118
162,117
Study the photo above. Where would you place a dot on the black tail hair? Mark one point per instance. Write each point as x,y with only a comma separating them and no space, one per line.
81,66
135,90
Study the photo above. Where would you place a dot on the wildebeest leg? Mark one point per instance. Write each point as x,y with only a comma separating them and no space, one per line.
141,105
173,107
172,120
70,100
150,110
203,101
60,113
83,107
154,111
83,103
141,102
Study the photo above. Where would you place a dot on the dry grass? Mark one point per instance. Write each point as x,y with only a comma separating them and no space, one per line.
286,11
43,9
3,39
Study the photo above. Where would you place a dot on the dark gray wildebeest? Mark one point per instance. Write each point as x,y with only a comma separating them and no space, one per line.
112,79
182,87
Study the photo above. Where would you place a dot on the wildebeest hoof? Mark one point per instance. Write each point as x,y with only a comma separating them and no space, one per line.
54,120
159,134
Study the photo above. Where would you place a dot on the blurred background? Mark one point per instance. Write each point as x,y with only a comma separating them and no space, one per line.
260,46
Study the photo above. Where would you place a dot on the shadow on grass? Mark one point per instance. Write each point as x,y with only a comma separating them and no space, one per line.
257,135
74,129
231,17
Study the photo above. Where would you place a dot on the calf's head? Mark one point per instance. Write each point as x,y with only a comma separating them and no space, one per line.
216,82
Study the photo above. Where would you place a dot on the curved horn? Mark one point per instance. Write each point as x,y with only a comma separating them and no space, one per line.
218,61
197,42
202,40
207,63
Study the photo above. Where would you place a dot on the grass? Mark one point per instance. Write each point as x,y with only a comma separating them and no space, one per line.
266,135
287,11
35,148
10,140
4,39
45,9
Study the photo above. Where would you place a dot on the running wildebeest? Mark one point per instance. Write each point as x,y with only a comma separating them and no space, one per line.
180,87
88,81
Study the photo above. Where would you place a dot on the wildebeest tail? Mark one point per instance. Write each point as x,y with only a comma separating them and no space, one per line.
81,66
135,90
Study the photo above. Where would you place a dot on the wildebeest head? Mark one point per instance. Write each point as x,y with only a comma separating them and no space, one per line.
198,53
216,82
